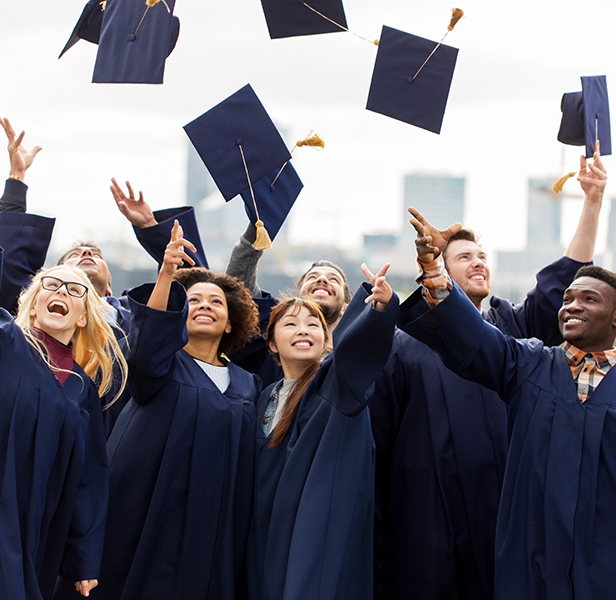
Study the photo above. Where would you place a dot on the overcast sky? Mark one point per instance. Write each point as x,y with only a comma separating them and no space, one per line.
515,62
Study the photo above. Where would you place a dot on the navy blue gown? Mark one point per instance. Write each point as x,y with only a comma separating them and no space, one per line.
441,446
53,472
556,530
181,459
312,526
26,238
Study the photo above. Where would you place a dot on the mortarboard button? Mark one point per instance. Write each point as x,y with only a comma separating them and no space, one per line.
136,38
586,116
275,195
399,63
288,18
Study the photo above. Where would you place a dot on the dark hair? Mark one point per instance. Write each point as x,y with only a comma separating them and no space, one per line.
599,273
75,246
299,387
78,244
326,263
468,235
243,312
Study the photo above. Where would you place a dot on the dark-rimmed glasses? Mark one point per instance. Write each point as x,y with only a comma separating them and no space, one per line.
53,284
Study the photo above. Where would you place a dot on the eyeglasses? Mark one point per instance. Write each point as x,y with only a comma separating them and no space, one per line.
53,284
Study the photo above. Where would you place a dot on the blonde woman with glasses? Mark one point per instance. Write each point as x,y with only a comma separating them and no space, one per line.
53,465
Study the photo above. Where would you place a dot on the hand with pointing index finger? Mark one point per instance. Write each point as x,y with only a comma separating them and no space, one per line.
175,255
430,241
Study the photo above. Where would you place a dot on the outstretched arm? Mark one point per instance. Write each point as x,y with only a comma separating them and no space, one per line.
592,178
174,258
244,261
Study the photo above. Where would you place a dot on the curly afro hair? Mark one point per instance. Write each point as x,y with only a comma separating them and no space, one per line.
243,312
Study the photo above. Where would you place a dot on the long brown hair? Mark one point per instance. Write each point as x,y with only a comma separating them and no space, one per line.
298,390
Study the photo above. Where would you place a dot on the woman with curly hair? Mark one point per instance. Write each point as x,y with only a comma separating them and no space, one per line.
181,454
53,466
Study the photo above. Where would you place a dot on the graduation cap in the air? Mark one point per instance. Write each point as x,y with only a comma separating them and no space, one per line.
290,18
240,145
412,77
136,38
586,116
89,25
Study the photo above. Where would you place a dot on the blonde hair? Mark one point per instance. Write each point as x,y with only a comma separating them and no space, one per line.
95,348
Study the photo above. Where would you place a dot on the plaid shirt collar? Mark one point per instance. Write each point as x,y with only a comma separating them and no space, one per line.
576,357
588,368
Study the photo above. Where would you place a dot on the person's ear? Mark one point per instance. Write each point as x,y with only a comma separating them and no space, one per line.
83,320
228,327
272,347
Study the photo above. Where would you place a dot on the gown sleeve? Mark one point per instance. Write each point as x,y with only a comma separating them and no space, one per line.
26,239
537,316
154,339
362,343
155,239
84,544
467,344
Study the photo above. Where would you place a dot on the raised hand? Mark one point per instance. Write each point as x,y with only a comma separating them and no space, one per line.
21,158
430,241
136,210
593,176
175,255
381,290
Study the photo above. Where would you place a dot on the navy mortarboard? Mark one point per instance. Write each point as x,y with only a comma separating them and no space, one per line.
135,40
290,18
274,195
586,116
240,145
585,120
89,25
412,77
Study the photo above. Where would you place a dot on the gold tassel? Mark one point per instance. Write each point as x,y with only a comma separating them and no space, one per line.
314,141
103,4
151,3
456,15
263,241
558,186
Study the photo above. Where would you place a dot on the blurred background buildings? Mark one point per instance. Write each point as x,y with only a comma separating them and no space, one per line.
442,199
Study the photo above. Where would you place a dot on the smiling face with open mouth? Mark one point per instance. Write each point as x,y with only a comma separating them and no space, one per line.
325,286
299,340
467,264
587,318
57,312
208,315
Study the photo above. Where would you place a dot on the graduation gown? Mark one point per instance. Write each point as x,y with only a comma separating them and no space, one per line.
53,472
181,461
441,445
312,524
26,238
556,529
